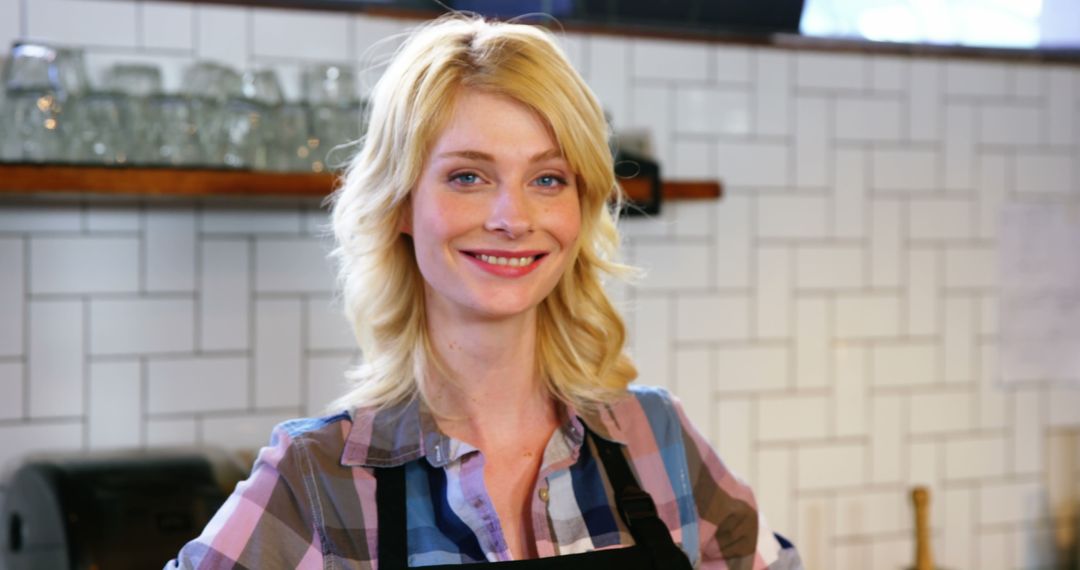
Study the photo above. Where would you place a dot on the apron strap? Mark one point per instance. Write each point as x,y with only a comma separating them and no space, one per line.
635,506
638,510
390,503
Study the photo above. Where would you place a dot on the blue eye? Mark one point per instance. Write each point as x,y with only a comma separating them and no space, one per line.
550,181
467,178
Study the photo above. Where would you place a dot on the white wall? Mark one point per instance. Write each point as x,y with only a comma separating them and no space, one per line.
831,323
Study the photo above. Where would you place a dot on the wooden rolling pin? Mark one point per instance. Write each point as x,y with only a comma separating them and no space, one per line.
924,556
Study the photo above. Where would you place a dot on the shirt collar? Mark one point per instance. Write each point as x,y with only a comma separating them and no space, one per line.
405,432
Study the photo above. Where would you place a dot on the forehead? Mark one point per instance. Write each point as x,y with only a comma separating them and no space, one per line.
491,121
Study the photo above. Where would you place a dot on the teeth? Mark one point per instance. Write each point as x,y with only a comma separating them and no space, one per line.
511,261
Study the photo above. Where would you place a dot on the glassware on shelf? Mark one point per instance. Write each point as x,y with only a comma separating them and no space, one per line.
336,113
139,83
41,66
38,125
99,130
40,84
135,79
172,132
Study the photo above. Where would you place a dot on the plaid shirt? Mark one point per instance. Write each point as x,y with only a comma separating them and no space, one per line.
310,500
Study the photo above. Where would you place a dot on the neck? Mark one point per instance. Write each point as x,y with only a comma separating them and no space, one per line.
490,385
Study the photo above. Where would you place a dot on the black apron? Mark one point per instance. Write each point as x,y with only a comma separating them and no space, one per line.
653,548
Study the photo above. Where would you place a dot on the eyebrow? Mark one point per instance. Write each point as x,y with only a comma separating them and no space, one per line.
485,157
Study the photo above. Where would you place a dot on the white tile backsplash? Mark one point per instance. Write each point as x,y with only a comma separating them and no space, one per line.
712,110
847,278
904,169
278,352
712,318
1061,106
1044,173
84,265
325,382
223,34
1010,124
115,405
976,79
327,327
609,76
225,295
904,364
829,71
673,266
851,371
11,25
753,163
829,267
752,368
813,141
193,384
939,412
170,250
831,466
807,418
11,386
944,219
772,92
867,316
869,119
792,216
312,36
167,25
56,358
812,323
774,283
41,437
925,85
141,326
653,60
65,22
732,64
12,295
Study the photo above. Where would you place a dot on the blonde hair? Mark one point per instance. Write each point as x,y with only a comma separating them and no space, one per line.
580,336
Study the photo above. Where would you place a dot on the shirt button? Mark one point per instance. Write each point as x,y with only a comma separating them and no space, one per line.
544,494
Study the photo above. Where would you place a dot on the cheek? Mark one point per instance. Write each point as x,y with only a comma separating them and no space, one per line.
567,222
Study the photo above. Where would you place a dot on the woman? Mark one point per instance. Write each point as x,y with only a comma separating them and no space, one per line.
491,419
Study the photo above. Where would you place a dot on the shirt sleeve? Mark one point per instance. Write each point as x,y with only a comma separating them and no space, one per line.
732,531
267,522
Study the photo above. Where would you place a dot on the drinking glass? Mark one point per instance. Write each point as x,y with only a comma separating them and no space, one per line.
136,79
41,66
333,127
38,125
328,84
293,145
8,150
172,131
139,82
262,85
245,134
98,134
208,85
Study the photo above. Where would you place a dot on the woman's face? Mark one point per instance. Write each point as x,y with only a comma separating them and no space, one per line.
494,216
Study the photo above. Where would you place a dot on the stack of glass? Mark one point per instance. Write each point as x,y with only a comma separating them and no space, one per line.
221,117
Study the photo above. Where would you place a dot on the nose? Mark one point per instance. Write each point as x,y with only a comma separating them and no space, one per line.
510,214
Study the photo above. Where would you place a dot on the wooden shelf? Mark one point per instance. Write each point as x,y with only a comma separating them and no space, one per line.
52,179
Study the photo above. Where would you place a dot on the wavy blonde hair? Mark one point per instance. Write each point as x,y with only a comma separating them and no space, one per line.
580,336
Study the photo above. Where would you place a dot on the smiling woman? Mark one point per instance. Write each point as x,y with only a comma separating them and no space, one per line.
491,419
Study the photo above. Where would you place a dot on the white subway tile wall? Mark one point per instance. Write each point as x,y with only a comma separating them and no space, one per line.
830,324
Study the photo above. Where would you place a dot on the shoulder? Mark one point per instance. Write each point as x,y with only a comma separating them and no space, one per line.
307,443
649,409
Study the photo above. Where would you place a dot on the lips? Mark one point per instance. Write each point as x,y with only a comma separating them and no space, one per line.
505,263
